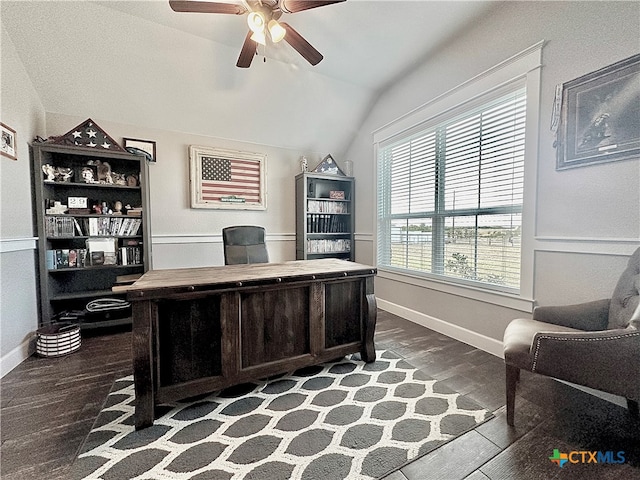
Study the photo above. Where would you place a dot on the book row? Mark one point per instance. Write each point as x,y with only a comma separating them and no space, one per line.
324,223
328,246
323,206
82,257
63,226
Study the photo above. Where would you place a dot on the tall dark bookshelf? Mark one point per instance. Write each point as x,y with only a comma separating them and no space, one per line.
85,250
324,216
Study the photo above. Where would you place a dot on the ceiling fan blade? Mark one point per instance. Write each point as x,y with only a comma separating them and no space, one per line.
303,47
248,52
206,7
293,6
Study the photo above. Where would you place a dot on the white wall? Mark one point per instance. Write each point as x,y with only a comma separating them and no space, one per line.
22,110
587,219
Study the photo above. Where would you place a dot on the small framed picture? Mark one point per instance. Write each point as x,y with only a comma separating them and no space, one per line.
8,142
141,147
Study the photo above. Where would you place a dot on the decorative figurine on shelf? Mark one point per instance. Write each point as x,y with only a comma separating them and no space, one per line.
304,164
119,178
58,208
88,175
63,174
117,208
50,172
104,171
132,180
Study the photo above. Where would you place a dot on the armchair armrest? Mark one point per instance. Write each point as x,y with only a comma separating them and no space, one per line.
589,316
605,360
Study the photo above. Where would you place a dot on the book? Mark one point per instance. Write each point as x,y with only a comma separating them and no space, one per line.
51,259
73,258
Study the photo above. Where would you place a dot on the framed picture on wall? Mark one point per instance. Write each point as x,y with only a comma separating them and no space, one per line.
600,116
8,142
227,179
142,147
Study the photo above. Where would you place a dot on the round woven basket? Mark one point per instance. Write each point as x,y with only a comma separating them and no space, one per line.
58,339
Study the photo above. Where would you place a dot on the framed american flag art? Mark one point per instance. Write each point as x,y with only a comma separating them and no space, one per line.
227,179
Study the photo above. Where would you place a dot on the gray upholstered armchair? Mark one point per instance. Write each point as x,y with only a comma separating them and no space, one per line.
594,344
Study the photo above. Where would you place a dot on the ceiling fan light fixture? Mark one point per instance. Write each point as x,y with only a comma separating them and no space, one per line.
259,37
262,17
276,31
256,21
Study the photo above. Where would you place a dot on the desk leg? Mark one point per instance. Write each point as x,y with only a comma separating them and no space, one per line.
142,344
370,316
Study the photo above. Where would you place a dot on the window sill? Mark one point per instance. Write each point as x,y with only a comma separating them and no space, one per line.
502,299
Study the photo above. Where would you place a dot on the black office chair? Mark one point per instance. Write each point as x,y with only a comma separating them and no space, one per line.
244,244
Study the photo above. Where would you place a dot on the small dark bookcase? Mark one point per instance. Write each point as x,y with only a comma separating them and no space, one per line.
94,243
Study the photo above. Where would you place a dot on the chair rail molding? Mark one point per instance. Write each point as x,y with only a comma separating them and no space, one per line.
17,244
167,239
588,245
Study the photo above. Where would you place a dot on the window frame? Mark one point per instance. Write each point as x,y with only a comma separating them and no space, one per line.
521,70
438,131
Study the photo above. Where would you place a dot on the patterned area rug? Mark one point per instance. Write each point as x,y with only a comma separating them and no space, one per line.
343,420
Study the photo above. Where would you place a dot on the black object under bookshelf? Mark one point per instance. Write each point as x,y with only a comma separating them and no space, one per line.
324,216
101,238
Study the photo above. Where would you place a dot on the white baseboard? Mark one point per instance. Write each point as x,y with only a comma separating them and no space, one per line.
16,356
475,339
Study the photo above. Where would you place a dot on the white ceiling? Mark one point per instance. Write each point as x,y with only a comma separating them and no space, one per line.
139,62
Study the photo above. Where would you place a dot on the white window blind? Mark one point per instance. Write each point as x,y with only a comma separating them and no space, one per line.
450,196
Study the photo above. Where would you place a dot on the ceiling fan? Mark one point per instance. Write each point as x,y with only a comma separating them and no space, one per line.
262,18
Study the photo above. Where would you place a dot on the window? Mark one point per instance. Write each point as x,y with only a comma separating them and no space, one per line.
450,194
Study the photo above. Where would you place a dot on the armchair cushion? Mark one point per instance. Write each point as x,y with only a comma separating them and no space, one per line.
588,316
518,340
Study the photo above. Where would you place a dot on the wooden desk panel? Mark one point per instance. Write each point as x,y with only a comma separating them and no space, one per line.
203,329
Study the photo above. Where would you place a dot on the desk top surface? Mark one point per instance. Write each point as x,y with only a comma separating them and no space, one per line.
257,273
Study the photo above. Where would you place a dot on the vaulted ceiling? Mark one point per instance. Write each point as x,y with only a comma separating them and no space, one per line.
141,63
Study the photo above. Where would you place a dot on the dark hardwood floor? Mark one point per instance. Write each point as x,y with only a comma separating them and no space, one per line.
49,405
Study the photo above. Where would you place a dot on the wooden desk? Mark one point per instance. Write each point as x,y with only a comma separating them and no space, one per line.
198,330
